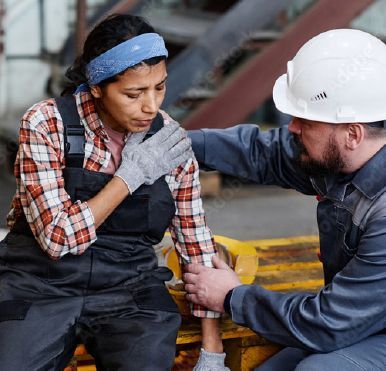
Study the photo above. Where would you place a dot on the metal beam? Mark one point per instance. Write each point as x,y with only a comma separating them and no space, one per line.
67,54
117,7
220,42
2,28
248,88
81,25
3,74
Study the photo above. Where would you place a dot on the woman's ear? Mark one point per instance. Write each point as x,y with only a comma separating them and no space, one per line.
96,91
355,135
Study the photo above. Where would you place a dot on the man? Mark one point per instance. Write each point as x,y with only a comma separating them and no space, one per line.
334,148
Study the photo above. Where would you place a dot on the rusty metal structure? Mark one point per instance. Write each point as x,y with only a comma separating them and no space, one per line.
74,43
248,88
81,25
233,28
250,84
2,57
2,31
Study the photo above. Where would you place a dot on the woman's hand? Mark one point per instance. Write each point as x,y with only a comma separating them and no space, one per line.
144,163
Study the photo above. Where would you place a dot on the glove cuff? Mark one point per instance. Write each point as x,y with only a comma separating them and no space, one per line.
212,356
131,188
131,175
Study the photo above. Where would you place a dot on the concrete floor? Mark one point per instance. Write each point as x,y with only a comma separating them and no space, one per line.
245,212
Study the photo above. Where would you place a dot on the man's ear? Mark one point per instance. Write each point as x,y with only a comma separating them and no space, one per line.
96,91
355,134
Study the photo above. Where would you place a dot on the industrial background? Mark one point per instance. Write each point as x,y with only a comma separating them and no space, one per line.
225,57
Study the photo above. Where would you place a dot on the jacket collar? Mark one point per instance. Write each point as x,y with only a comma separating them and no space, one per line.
371,178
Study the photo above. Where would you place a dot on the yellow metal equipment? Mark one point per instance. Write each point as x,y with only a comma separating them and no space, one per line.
283,264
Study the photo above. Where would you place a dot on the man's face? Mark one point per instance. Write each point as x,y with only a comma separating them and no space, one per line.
318,150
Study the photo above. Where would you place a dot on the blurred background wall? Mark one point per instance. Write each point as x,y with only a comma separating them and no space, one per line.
39,41
224,55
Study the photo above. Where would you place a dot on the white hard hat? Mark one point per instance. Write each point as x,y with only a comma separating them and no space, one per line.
338,76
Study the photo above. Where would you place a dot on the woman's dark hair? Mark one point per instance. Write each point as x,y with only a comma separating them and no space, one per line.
110,32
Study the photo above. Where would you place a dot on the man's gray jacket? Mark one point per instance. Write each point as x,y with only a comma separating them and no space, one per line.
351,217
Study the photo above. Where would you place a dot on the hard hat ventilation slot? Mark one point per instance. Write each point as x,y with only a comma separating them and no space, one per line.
318,97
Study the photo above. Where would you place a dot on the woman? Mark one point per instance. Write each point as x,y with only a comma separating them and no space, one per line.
92,199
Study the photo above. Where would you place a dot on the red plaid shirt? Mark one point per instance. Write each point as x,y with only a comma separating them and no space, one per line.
62,225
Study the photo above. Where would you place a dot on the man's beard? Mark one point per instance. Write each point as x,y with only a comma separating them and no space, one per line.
332,162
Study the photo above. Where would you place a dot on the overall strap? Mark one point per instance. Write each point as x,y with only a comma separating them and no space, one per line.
74,139
73,149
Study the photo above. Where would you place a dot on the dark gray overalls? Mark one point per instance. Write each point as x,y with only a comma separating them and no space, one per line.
112,297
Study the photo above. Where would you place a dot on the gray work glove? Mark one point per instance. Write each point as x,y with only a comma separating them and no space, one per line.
210,362
144,163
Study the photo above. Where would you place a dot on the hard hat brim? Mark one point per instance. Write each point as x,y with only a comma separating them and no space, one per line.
283,104
280,98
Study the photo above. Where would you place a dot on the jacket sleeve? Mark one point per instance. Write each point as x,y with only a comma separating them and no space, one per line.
244,151
349,309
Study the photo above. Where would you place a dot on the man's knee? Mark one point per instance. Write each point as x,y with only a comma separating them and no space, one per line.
328,361
285,360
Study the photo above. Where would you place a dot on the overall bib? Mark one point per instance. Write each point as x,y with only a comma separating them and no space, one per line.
112,297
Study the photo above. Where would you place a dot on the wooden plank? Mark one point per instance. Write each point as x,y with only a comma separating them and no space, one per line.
266,244
87,368
294,253
295,285
251,357
245,354
291,266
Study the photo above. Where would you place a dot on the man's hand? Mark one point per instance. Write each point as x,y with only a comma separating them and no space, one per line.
209,286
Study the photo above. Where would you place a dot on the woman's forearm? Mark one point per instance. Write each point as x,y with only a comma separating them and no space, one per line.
211,337
105,202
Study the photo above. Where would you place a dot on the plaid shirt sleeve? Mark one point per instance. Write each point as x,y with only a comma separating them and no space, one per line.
191,235
59,225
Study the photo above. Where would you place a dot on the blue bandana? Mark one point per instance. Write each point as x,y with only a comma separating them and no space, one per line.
124,55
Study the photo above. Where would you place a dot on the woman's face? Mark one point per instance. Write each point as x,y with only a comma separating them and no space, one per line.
132,101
